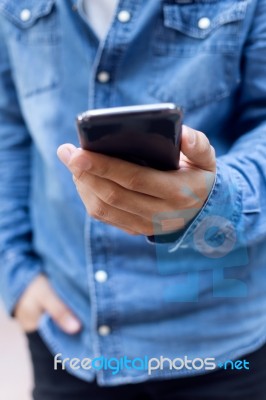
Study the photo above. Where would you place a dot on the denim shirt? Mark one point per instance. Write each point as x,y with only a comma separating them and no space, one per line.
202,295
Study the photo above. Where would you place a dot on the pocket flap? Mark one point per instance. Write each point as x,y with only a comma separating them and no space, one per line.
26,12
186,17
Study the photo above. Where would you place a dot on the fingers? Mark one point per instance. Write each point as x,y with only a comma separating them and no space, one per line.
130,176
40,297
118,197
126,221
198,150
152,185
59,312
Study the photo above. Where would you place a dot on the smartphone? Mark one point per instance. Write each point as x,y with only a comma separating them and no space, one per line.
148,135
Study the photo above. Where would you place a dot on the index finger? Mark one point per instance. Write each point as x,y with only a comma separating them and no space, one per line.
128,175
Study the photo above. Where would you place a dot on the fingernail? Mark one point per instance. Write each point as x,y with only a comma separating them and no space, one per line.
191,137
64,153
72,325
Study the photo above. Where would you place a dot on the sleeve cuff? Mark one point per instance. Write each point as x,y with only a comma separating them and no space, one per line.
223,207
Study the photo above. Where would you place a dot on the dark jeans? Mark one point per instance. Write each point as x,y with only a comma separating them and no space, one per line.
218,385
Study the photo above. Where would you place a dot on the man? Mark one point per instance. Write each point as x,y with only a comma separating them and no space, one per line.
88,282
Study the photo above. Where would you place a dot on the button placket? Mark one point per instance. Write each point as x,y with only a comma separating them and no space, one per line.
112,51
102,288
104,74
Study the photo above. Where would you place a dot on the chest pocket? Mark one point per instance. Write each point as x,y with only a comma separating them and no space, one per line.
33,36
196,47
200,25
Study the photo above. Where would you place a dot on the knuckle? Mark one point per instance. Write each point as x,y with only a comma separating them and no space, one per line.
103,169
79,175
98,211
135,181
112,198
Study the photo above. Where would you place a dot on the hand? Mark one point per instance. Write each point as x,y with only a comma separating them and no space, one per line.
128,196
39,297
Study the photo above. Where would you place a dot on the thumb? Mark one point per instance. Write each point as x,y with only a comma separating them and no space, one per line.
65,151
197,148
59,312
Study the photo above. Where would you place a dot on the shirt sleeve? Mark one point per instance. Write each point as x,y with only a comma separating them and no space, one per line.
18,262
236,206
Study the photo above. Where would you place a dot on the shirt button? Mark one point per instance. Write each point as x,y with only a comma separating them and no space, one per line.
124,16
25,15
104,330
204,23
103,77
101,276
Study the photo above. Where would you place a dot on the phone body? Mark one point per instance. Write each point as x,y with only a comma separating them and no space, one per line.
148,135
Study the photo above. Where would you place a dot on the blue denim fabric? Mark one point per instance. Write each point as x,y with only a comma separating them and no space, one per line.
202,295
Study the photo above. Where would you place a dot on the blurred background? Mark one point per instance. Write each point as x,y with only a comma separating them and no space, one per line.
15,369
